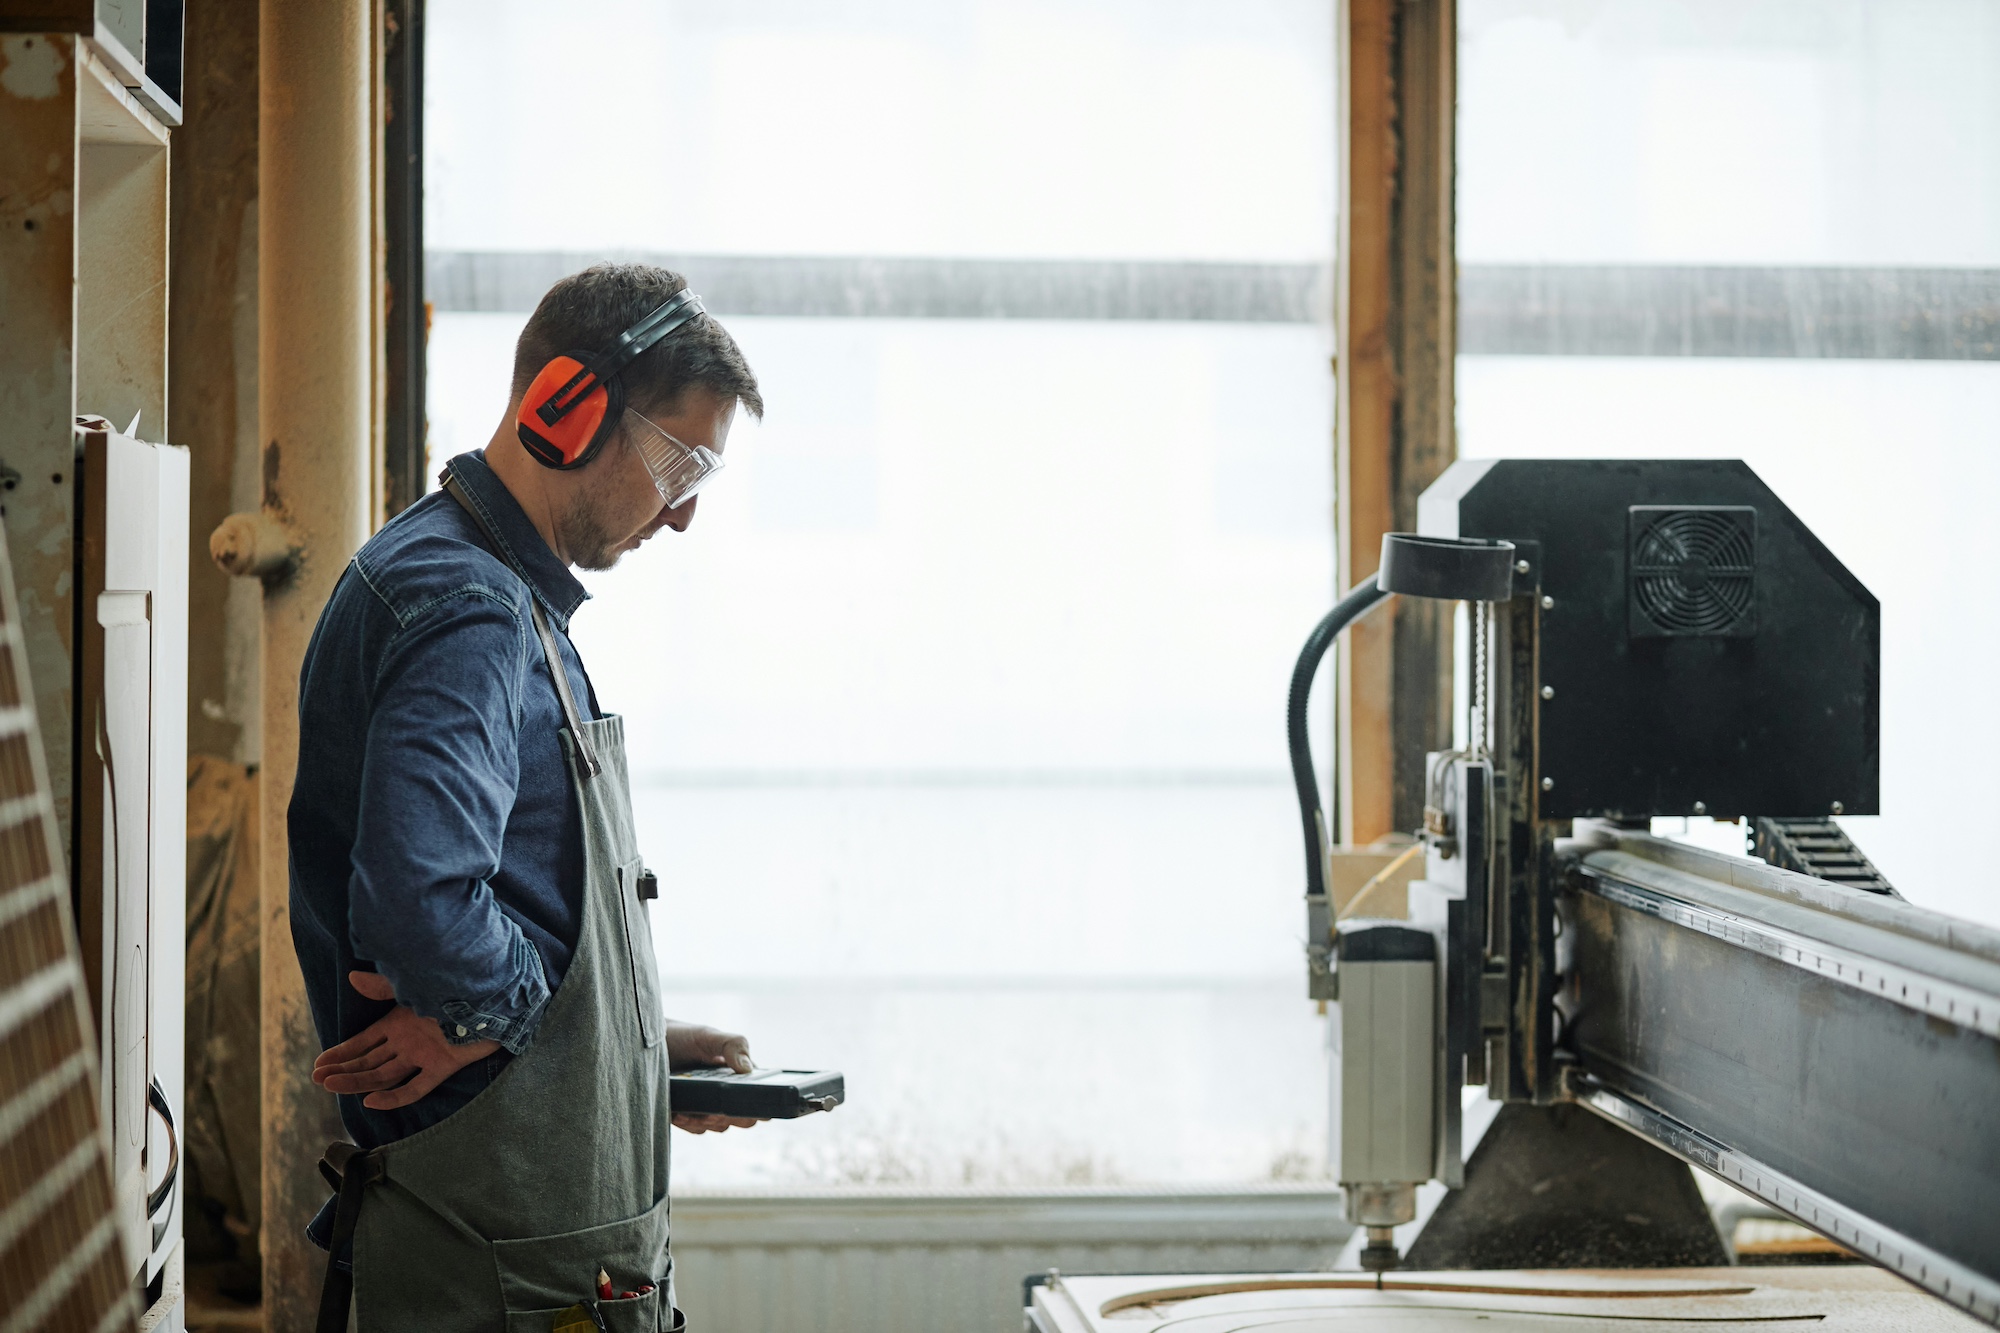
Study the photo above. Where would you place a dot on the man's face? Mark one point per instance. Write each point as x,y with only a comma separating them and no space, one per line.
619,507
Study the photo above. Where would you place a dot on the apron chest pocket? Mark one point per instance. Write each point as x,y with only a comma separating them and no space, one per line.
639,951
541,1276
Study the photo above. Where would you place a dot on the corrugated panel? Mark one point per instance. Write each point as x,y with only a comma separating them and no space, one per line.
903,1261
61,1269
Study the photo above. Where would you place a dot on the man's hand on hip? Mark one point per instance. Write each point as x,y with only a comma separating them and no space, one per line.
399,1058
698,1046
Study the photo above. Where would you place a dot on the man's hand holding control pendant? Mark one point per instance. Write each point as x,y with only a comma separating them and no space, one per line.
698,1046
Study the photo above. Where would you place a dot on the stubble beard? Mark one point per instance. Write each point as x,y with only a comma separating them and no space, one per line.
591,545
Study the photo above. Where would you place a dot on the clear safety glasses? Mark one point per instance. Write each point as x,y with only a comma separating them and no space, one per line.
678,470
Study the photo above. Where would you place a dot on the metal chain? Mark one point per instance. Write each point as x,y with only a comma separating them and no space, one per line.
1481,721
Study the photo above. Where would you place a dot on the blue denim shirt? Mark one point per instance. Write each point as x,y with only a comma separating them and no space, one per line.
435,835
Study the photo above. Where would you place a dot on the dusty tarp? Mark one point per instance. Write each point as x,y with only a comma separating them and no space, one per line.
223,1138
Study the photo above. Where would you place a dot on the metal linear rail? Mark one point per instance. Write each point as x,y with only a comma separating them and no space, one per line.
1831,1051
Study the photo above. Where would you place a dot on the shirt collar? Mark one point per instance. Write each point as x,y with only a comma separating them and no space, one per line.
522,546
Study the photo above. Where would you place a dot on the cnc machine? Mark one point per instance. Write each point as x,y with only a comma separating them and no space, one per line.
1647,639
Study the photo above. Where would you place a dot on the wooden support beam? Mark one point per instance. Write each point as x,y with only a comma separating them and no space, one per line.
1396,292
318,285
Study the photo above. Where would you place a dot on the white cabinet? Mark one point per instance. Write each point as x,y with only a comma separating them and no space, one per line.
132,806
97,539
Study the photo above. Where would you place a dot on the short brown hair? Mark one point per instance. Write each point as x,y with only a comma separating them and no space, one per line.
586,310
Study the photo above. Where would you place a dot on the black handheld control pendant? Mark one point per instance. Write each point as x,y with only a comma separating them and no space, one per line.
762,1094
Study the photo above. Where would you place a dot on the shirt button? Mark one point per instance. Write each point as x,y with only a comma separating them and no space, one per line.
461,1029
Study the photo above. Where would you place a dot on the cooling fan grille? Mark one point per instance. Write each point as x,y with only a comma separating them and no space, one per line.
1693,571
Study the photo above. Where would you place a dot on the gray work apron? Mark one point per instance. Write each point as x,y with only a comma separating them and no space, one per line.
500,1216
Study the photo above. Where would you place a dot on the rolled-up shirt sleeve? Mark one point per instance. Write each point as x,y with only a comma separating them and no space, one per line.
437,784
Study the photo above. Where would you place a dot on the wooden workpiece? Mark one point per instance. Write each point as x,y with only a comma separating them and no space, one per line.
1839,1298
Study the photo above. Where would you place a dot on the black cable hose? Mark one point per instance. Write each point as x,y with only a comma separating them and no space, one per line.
1364,597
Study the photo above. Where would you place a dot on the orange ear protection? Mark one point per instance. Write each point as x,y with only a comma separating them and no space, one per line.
576,402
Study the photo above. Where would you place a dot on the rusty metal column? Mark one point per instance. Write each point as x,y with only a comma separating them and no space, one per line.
316,285
1395,325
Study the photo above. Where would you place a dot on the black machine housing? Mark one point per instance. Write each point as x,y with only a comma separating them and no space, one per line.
1674,642
1677,644
1700,651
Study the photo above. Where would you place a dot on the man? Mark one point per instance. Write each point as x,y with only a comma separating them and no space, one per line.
468,903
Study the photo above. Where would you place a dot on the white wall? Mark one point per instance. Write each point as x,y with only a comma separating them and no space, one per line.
876,1261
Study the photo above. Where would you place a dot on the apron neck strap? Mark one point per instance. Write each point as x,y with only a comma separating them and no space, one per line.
586,756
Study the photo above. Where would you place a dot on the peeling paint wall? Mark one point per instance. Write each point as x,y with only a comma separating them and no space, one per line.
213,364
38,241
212,374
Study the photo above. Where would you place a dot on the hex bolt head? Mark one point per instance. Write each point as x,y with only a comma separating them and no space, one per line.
1548,784
1548,691
1548,602
1701,807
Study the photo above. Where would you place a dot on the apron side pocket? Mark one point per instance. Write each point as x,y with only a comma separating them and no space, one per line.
639,951
641,1314
542,1275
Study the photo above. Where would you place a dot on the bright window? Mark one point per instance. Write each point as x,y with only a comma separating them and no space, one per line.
957,717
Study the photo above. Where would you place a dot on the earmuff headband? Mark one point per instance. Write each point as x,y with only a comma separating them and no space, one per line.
675,311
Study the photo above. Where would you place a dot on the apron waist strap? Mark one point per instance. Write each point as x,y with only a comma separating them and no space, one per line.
350,1170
